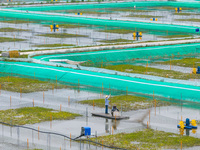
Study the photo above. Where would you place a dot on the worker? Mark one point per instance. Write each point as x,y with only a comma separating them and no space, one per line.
115,110
106,104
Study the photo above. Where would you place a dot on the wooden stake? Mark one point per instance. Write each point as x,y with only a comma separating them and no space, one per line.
146,67
181,145
93,104
147,125
38,133
153,95
60,107
51,121
20,93
56,81
70,139
27,144
52,88
149,116
102,87
43,97
33,103
10,101
112,130
68,100
155,107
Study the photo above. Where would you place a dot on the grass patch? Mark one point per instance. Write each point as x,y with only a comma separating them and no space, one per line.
172,8
115,41
31,115
7,39
23,56
185,62
53,45
191,20
71,25
127,10
12,30
151,71
119,31
148,139
27,85
84,11
182,14
143,16
61,35
175,36
68,25
18,21
128,102
198,122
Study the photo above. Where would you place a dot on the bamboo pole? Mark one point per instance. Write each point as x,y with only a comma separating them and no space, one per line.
38,133
27,144
10,101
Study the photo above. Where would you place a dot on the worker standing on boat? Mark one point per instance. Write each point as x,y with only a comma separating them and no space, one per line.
106,104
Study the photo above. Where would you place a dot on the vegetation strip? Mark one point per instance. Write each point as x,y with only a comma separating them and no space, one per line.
119,31
12,30
53,45
172,8
83,11
31,115
185,62
71,25
18,21
68,25
61,35
7,39
189,20
127,102
127,10
152,71
175,36
148,139
26,85
115,41
143,16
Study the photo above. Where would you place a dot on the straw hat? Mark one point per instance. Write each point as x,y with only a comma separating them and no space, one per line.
106,96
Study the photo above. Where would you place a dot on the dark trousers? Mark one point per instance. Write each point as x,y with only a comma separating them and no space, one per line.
106,110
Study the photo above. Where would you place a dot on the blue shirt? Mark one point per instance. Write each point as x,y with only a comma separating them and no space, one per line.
107,101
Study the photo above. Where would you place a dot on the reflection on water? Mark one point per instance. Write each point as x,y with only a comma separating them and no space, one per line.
111,124
107,126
